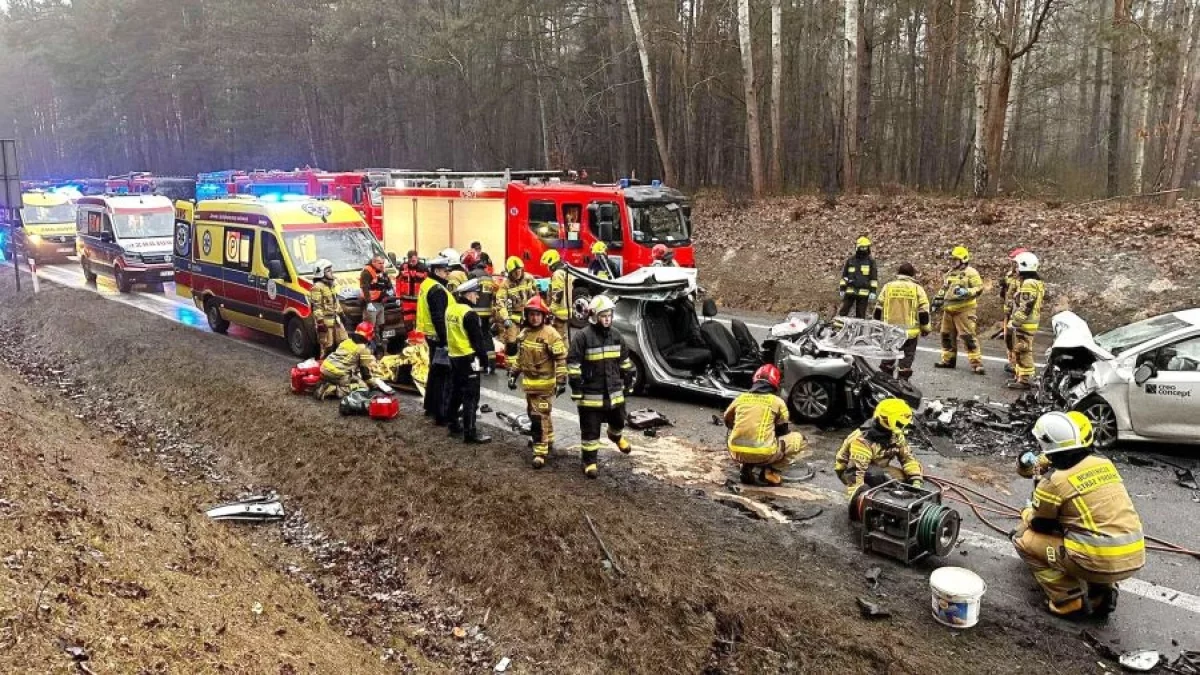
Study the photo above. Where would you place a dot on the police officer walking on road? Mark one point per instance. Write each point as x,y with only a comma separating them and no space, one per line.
471,354
860,281
432,301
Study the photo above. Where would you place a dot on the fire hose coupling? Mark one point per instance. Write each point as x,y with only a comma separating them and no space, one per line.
905,522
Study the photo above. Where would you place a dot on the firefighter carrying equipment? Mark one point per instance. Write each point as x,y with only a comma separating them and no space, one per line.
903,303
759,433
873,447
860,276
541,363
600,372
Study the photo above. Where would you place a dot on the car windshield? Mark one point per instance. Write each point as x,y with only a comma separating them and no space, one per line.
143,225
348,248
44,215
659,223
1120,339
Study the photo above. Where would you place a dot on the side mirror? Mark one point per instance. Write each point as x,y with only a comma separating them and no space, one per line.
1143,373
275,269
709,308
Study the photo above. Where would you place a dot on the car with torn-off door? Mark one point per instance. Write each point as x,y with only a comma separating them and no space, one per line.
1137,382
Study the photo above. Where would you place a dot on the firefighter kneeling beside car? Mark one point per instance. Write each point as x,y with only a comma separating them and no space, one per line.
351,367
867,452
759,437
541,363
1080,535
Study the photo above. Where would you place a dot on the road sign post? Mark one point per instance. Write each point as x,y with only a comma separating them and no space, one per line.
10,198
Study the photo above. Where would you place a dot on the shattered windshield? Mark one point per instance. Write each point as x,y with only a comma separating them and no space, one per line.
659,223
348,248
1120,339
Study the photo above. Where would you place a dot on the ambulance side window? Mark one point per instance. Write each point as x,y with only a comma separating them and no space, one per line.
239,248
81,220
271,253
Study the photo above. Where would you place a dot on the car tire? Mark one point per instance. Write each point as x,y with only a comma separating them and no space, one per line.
1104,421
123,284
88,275
300,343
212,311
574,321
639,375
815,400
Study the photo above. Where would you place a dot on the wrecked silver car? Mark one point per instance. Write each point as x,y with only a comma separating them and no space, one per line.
827,373
1138,382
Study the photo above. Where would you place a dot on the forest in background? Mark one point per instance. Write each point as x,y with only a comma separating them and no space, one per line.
1027,97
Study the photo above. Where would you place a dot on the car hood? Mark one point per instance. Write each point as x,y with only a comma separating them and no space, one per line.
1072,332
654,284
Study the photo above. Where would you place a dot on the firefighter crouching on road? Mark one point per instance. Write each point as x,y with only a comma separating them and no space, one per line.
541,363
759,436
1026,315
600,373
343,371
958,300
470,349
560,312
903,303
326,310
414,356
1009,286
860,281
514,291
409,279
1081,533
432,301
376,288
866,454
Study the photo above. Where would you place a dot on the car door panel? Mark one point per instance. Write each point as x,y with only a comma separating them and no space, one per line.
1168,404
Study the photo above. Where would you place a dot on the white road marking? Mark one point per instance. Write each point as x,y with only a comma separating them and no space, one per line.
1145,589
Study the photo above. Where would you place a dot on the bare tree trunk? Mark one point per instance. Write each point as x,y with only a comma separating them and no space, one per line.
1141,121
983,77
1116,96
753,131
777,93
1171,145
849,96
660,134
1187,119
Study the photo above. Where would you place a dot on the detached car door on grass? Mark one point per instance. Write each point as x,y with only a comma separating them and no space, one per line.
1168,404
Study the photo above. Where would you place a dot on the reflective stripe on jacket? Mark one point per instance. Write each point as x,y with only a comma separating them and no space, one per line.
966,278
1102,531
374,284
860,277
426,321
350,358
860,452
597,363
511,297
1027,306
751,419
324,302
902,303
541,359
558,294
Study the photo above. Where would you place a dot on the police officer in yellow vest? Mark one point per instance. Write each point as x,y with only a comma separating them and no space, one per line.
903,303
1081,534
471,352
432,301
1025,317
958,300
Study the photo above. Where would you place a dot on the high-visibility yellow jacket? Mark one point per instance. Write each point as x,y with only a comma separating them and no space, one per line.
558,294
325,306
1102,532
350,359
859,452
465,335
541,360
752,419
903,303
1027,306
1009,286
511,297
966,278
431,318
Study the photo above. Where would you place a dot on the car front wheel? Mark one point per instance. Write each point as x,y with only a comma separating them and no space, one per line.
815,400
1104,421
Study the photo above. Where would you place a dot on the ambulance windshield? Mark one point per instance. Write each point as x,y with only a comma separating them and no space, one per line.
45,215
348,248
144,225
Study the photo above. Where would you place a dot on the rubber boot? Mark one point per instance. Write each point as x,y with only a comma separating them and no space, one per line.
978,370
1067,608
539,461
949,365
622,444
454,429
590,468
747,475
905,374
772,477
1008,368
1102,598
472,436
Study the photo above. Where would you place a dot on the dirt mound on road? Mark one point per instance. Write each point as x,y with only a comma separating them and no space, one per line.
705,590
1109,262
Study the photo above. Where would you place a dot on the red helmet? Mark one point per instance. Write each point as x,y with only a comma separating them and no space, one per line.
366,329
659,251
470,259
416,336
1012,255
769,374
536,304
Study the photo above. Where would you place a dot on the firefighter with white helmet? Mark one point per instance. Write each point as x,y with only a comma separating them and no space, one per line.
326,310
517,289
866,455
1025,317
600,373
1081,534
958,300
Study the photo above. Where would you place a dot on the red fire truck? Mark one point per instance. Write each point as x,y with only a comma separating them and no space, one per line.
350,187
524,214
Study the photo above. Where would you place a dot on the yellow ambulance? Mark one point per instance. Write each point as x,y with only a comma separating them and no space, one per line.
250,260
47,231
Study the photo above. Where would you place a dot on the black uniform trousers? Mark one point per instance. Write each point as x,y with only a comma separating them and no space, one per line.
463,392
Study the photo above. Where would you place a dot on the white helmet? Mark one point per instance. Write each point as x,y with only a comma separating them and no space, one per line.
450,254
1026,262
322,267
1060,432
440,261
600,304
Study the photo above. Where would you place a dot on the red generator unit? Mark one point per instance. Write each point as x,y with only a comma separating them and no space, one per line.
384,407
306,376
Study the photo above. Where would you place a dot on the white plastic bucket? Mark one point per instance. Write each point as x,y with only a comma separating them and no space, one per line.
957,592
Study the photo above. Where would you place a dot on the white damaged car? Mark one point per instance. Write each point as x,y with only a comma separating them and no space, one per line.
1138,382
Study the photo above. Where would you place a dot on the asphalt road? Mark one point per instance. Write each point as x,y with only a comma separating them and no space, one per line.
1160,609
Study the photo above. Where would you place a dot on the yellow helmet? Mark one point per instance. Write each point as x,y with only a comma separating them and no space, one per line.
599,248
863,242
454,279
551,258
513,263
961,253
894,414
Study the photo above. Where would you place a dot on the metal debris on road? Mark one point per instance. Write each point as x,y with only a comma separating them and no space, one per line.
1185,478
872,610
518,423
646,419
872,576
1187,663
256,509
981,426
1141,661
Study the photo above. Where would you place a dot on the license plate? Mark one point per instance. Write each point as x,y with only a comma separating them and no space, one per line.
166,275
66,250
389,334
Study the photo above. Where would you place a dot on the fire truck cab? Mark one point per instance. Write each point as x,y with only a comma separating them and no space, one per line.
525,214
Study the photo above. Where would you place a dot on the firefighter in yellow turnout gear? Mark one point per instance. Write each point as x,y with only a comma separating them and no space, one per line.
1024,320
326,310
511,296
1081,534
867,453
541,363
759,437
352,366
903,303
561,313
1009,286
958,300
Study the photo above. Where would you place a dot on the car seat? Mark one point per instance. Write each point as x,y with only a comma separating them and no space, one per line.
745,339
677,355
725,348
